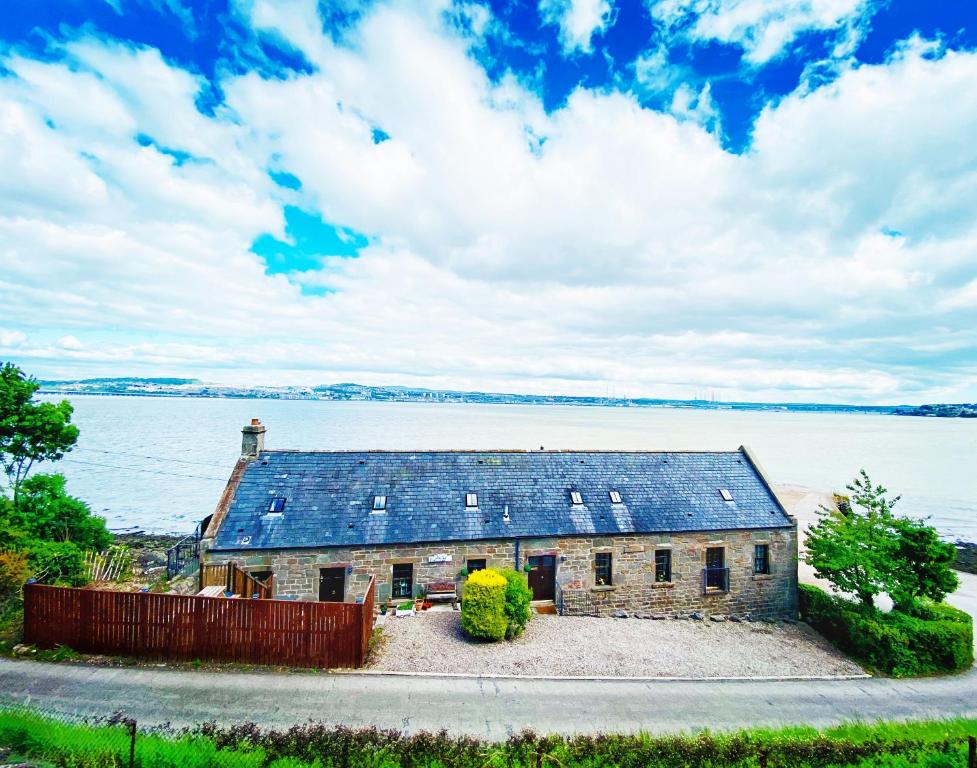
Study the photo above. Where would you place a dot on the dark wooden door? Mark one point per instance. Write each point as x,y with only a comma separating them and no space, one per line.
542,577
332,583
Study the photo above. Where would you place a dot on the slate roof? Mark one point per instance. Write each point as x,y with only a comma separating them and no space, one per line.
329,496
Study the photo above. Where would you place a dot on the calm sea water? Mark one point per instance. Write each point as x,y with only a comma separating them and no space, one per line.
160,464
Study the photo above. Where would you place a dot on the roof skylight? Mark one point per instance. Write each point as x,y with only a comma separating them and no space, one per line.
575,497
471,500
277,505
615,497
727,496
379,503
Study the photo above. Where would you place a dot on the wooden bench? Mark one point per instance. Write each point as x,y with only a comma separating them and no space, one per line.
442,590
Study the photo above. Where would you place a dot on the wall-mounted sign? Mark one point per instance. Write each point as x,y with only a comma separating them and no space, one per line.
445,558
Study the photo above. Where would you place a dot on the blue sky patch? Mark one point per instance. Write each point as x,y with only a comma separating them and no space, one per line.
313,242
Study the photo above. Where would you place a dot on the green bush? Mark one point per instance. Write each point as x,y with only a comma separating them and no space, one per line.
14,570
932,638
518,595
57,562
483,605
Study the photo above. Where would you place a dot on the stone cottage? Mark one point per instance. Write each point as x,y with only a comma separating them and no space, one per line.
667,532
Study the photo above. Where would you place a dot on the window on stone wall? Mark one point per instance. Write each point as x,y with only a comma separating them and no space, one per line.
602,569
663,565
475,565
761,558
403,581
716,574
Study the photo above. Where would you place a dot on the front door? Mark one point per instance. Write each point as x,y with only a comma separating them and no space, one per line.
542,577
332,583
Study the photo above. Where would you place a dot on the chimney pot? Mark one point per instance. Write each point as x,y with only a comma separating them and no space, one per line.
252,439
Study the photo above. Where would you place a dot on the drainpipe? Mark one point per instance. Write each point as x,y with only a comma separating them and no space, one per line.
517,555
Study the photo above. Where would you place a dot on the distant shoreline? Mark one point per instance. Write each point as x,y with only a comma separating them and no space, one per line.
360,393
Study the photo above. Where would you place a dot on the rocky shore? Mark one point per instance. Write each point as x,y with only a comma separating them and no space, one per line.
966,556
148,551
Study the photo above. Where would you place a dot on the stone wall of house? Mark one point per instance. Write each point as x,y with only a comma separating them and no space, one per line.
634,587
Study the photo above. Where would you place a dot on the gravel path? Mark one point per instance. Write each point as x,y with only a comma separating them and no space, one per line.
585,646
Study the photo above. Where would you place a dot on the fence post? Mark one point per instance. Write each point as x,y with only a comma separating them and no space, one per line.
971,752
132,743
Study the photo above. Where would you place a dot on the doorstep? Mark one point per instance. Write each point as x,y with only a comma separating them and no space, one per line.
547,607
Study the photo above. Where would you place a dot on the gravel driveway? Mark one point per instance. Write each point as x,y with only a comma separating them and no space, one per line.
584,646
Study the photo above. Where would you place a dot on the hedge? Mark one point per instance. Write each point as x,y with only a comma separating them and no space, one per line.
311,745
934,638
483,605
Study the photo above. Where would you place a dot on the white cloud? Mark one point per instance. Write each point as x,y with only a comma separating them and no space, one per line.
603,243
70,343
578,20
764,28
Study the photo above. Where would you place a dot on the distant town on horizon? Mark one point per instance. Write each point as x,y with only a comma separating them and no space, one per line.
180,387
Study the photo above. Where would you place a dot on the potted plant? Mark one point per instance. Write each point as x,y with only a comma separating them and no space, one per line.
405,608
419,600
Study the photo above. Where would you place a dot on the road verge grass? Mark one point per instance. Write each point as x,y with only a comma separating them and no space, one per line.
34,736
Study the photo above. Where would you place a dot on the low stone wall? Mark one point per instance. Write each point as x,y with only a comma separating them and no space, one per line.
633,588
185,585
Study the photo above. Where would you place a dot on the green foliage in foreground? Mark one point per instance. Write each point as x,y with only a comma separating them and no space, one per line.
932,744
928,639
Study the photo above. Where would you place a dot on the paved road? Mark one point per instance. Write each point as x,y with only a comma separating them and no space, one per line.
480,707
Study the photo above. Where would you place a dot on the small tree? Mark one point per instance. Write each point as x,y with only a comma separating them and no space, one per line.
30,432
851,545
920,564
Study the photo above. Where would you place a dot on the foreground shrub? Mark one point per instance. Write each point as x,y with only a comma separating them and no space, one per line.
483,605
518,595
933,638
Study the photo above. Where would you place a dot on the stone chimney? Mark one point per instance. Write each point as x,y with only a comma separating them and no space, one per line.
252,439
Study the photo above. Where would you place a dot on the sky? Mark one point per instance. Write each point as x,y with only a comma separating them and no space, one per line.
759,199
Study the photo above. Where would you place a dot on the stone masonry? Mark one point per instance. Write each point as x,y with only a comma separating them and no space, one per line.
633,588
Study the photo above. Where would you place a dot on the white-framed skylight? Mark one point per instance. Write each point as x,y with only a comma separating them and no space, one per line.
575,497
379,503
727,496
277,505
615,497
471,500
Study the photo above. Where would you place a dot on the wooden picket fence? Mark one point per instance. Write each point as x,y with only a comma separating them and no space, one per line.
184,627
